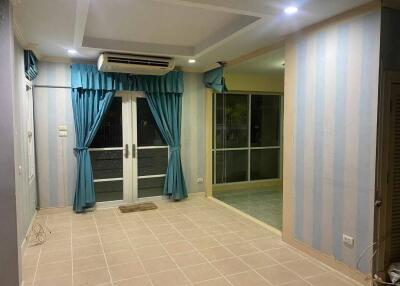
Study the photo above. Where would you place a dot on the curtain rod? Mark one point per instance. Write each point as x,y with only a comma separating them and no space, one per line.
51,86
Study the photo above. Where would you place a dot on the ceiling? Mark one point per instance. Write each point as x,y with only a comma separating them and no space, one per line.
206,30
269,63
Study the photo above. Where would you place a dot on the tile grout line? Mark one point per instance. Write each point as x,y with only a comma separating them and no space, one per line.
166,251
102,249
40,253
140,260
208,261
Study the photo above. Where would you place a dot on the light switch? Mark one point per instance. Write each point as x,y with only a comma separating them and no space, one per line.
62,127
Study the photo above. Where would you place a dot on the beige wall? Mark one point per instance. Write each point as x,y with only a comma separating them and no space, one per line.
253,82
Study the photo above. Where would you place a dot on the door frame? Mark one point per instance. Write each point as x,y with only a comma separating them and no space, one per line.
130,152
383,184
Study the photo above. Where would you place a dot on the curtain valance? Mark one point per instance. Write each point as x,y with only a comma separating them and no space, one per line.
87,76
31,65
214,79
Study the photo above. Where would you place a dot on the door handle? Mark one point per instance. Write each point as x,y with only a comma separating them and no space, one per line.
133,151
126,151
378,203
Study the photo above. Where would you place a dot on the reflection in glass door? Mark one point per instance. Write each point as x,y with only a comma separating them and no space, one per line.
129,156
106,154
152,153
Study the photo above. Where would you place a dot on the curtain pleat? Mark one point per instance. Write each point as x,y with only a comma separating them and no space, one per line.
88,77
167,110
31,65
214,79
89,107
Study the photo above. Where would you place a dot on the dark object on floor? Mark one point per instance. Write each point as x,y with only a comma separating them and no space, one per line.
138,207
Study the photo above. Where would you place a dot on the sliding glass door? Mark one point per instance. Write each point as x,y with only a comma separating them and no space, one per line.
246,137
129,156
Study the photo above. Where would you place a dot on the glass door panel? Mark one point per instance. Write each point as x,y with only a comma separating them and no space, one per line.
106,154
152,153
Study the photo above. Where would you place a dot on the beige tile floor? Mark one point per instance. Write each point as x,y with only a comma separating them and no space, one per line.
195,242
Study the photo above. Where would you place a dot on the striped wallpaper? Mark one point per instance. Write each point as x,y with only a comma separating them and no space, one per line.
335,92
56,163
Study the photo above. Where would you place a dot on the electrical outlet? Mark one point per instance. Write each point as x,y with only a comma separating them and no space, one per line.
348,240
200,180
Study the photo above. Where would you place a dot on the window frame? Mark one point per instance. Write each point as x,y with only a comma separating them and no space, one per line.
249,148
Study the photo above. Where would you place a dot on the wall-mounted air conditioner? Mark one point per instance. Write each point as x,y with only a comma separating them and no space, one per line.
133,64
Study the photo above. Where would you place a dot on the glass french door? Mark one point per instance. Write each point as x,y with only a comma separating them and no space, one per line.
129,156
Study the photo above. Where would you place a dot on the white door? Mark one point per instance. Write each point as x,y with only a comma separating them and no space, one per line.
129,156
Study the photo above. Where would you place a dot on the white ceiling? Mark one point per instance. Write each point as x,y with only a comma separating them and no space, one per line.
270,63
207,30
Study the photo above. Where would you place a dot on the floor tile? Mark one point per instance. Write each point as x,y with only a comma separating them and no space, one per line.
178,247
56,269
189,259
216,253
304,268
140,281
59,281
278,274
92,277
247,278
201,272
89,263
230,266
214,282
121,257
85,251
258,260
150,252
169,278
159,264
328,279
125,271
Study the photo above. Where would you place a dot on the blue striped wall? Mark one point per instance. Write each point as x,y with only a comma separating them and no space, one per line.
56,164
335,102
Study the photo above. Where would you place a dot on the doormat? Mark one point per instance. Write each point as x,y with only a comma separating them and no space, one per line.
138,207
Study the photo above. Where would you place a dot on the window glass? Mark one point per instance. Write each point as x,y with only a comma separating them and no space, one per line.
231,166
264,164
265,120
232,120
110,130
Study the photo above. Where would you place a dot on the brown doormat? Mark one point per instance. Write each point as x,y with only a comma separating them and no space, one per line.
138,207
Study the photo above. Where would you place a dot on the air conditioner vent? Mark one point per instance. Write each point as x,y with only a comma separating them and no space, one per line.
134,64
133,61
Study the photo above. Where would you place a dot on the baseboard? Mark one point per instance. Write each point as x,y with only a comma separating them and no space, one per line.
24,241
247,185
330,261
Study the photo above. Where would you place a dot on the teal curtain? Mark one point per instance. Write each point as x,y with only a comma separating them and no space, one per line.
88,77
214,79
167,112
92,92
31,65
89,107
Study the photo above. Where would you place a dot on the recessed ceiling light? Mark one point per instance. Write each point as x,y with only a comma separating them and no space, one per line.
191,61
72,52
291,10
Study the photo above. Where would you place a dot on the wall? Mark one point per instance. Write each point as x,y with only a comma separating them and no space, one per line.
9,248
331,92
193,139
25,186
56,163
254,82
